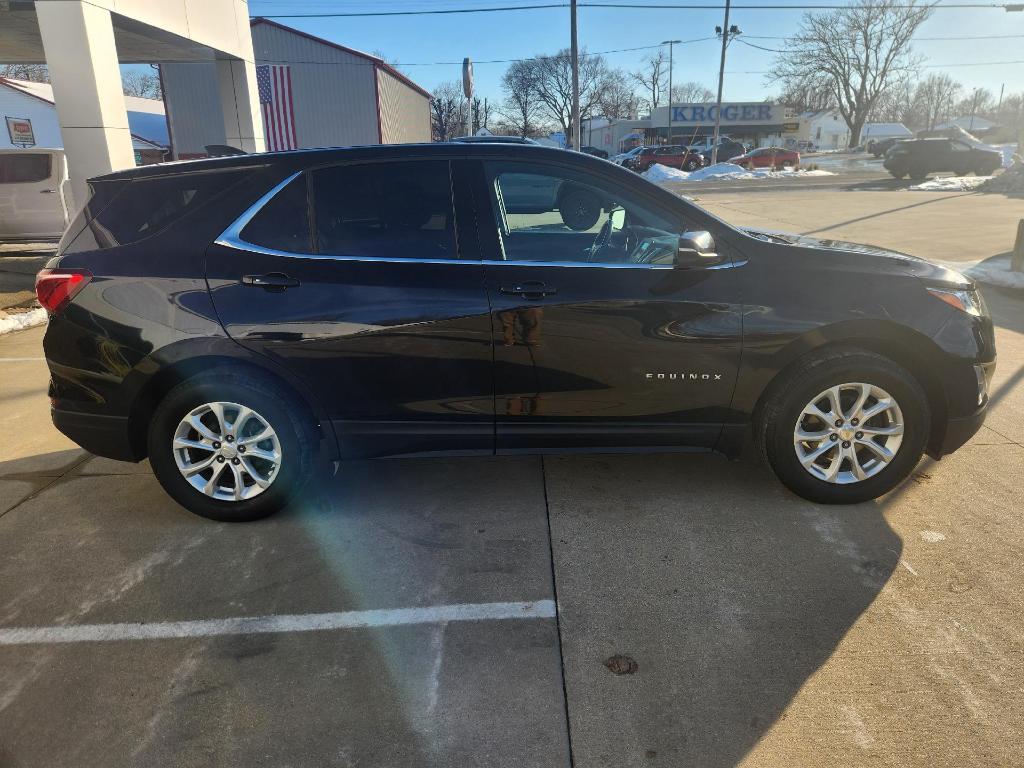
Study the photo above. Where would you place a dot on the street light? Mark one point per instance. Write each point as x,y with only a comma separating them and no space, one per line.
670,43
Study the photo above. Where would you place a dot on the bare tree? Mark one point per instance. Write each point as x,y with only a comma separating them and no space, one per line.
554,85
977,102
810,96
896,104
934,98
616,99
856,52
691,92
652,78
521,109
447,111
36,73
143,84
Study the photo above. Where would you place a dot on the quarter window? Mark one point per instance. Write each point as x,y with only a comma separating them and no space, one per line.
283,223
549,214
384,210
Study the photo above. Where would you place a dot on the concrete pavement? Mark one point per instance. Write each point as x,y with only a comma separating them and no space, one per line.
767,631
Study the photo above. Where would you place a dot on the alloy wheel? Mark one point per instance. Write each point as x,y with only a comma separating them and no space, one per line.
227,451
848,433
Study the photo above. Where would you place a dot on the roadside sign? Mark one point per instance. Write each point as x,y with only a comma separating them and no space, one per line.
467,78
791,127
20,131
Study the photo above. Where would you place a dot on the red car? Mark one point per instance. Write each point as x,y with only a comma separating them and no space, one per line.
672,156
768,157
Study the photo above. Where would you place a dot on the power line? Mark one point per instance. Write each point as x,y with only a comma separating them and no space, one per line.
621,6
923,66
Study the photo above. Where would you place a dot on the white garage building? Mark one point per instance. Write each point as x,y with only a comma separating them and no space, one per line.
313,93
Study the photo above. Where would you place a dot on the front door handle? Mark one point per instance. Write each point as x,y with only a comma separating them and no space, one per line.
47,191
531,289
275,282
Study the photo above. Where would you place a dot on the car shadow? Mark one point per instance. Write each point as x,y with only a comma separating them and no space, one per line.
727,591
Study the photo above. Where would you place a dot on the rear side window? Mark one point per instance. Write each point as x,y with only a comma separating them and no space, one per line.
283,223
147,206
24,169
384,210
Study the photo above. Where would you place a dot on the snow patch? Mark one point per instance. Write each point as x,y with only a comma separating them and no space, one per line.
996,272
951,184
721,171
933,537
19,321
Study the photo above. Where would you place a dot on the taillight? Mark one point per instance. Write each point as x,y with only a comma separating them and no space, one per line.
55,288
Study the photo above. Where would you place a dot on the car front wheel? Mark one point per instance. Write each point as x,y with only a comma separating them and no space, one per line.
844,427
691,165
230,447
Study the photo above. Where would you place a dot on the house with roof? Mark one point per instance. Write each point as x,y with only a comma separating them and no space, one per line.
312,92
25,100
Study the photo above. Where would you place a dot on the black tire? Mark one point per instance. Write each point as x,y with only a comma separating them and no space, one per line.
918,174
691,165
579,209
793,390
896,175
278,407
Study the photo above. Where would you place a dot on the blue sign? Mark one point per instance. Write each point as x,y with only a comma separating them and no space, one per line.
731,113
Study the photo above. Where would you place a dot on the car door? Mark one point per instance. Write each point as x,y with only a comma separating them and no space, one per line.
31,200
363,294
599,342
960,158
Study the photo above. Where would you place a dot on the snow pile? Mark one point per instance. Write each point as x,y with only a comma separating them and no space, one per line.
996,271
951,184
1011,180
18,321
721,171
664,173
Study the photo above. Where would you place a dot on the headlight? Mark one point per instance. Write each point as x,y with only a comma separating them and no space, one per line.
966,300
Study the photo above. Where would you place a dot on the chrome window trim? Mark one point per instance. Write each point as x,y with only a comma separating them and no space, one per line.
232,238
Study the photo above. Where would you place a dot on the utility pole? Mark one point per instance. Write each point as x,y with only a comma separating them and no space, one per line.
721,78
670,43
575,54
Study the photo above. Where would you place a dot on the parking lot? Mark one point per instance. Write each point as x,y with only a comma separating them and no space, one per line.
404,614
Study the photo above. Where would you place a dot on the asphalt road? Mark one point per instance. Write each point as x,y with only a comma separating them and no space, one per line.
765,630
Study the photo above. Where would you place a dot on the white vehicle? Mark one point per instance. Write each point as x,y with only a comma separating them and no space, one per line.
622,157
705,143
34,192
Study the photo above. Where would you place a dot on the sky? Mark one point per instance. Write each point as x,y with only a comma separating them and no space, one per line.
415,42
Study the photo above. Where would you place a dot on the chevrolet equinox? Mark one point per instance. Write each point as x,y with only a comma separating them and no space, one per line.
243,320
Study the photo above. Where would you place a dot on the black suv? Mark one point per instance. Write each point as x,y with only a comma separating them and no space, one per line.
242,320
919,157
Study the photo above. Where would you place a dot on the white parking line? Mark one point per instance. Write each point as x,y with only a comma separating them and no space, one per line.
20,359
252,625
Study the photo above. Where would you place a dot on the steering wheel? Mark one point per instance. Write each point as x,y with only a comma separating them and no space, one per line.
610,245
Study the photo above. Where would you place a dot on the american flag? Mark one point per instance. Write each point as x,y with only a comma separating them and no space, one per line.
275,86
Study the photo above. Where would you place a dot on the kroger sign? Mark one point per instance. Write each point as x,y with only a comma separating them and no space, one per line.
731,113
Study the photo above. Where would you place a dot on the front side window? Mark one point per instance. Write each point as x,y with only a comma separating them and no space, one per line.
384,210
24,168
554,214
959,147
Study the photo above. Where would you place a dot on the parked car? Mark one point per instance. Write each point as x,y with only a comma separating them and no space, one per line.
243,321
670,155
595,151
879,148
768,157
34,194
702,143
623,157
727,150
919,157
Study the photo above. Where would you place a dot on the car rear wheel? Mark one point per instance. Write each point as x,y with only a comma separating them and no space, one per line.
230,448
844,427
580,209
691,165
918,174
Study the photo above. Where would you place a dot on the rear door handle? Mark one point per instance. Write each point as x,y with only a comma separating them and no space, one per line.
47,191
531,289
272,281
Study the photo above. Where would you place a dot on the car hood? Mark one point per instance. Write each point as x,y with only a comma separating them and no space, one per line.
885,259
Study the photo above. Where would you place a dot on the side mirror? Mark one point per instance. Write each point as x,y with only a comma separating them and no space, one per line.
696,249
